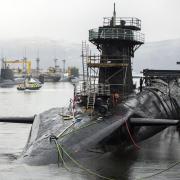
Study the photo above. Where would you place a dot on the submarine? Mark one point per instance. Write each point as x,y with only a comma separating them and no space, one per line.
106,114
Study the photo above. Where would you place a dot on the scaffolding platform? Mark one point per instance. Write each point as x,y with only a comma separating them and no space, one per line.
106,65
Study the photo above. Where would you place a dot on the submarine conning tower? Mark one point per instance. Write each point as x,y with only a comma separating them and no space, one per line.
117,40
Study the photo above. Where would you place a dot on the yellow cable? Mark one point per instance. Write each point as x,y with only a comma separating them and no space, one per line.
81,166
160,172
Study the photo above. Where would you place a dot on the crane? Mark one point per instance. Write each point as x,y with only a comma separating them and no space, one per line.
26,64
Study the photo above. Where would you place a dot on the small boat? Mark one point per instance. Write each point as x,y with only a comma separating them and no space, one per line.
29,84
33,86
21,87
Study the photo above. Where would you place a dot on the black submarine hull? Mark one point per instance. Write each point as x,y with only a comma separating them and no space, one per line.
82,136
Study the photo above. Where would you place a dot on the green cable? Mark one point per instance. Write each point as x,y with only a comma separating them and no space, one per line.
59,148
88,170
61,156
62,135
81,166
160,172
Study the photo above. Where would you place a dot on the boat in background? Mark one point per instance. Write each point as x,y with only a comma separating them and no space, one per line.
6,77
29,84
53,74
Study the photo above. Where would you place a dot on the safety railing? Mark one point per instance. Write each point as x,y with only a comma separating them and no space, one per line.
99,89
103,89
116,33
94,88
97,59
123,21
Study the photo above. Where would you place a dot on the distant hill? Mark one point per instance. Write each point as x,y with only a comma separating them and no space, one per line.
48,50
157,55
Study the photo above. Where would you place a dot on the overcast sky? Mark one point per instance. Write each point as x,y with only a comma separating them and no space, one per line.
70,20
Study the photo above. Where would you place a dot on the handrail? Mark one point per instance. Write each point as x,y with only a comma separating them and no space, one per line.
97,88
123,21
100,89
116,33
96,59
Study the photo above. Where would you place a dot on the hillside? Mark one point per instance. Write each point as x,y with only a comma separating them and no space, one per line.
48,50
157,55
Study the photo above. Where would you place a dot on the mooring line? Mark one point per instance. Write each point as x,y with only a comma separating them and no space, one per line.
160,172
60,149
135,144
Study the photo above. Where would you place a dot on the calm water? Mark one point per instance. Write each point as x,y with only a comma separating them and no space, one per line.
155,154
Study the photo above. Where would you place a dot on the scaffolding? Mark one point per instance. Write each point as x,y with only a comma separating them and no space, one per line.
96,62
85,51
107,61
109,75
90,86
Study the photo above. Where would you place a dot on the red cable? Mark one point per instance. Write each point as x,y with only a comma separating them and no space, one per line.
137,146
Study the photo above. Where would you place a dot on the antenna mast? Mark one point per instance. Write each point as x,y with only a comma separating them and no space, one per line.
37,63
114,15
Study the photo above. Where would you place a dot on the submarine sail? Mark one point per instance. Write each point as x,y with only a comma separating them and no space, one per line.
105,115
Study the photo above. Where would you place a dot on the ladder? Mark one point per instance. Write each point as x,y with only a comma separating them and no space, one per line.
93,74
86,79
91,100
124,81
84,60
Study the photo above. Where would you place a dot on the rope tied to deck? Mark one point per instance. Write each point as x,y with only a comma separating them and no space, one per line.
63,133
61,150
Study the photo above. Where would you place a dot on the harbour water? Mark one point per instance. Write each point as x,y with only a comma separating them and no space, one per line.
155,154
